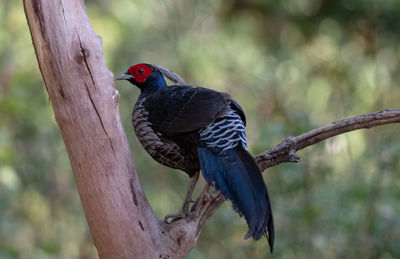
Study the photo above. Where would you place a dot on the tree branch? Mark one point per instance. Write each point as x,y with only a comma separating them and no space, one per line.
286,150
210,200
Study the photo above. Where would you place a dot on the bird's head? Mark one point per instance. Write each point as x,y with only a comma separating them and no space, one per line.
143,76
149,77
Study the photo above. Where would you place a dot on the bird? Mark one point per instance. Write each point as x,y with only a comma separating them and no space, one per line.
195,129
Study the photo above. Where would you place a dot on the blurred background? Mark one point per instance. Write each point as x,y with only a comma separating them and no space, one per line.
293,65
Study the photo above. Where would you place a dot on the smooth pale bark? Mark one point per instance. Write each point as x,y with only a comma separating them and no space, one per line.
85,104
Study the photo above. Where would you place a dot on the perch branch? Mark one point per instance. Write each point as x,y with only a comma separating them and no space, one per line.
210,200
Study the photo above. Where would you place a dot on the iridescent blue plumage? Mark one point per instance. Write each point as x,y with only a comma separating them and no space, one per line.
226,164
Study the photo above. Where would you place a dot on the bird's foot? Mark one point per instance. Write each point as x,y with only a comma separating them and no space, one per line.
173,217
183,213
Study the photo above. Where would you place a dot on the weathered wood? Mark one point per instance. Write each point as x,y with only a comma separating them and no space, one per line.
286,150
85,105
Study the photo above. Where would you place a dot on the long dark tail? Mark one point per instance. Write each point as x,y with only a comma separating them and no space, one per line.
235,173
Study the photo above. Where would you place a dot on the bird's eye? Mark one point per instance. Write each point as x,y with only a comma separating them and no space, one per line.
141,71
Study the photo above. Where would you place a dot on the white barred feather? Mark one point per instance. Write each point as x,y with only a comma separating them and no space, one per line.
226,133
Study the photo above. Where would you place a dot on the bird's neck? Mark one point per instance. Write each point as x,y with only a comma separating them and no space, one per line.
152,86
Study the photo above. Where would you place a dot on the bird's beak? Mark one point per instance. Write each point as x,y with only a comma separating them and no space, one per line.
125,76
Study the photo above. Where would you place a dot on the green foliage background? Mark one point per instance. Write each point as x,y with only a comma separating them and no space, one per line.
293,65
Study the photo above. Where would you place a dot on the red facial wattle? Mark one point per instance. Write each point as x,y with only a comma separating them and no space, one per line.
140,72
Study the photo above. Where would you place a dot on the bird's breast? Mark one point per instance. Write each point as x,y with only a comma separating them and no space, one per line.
160,148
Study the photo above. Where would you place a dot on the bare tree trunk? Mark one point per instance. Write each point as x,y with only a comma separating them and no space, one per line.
85,104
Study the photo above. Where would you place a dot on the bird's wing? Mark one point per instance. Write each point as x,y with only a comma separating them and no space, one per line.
179,109
238,108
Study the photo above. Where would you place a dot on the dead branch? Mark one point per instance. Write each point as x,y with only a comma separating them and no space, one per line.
286,150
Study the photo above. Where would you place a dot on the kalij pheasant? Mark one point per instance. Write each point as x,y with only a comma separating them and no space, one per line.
194,128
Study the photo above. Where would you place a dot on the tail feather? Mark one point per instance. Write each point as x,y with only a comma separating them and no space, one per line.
235,173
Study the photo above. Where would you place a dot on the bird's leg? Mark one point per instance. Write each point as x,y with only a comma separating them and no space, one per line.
184,211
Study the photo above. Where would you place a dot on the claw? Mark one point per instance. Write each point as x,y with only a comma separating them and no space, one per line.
183,213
